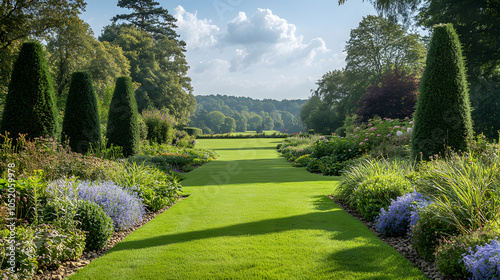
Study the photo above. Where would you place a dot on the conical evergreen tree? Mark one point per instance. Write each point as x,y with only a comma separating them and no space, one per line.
81,119
30,104
442,118
123,122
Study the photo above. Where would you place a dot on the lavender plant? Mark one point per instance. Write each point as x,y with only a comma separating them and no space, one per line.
395,221
484,263
124,208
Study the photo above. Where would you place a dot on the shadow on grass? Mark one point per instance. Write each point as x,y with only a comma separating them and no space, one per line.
332,221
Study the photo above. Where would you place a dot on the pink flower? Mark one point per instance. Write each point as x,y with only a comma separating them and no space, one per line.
366,139
411,121
381,122
378,135
350,150
388,135
370,124
360,143
397,126
403,128
407,118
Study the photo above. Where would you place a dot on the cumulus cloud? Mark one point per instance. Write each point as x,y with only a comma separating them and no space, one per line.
197,33
267,39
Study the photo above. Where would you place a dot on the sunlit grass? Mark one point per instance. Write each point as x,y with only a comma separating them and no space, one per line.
250,215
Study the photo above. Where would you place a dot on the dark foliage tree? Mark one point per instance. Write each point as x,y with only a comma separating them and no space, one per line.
149,16
394,95
228,126
123,122
442,118
81,124
30,104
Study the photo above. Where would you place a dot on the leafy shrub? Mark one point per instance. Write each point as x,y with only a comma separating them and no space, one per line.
340,149
160,126
57,245
81,125
450,252
376,192
25,256
330,166
124,208
395,221
30,106
381,132
427,232
143,128
443,113
302,161
314,166
483,264
97,224
123,121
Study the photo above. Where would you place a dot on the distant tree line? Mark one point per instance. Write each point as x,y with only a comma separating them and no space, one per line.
225,114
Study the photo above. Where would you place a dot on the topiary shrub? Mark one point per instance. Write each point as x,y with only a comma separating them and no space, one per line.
81,124
96,223
30,106
427,232
443,117
376,193
123,122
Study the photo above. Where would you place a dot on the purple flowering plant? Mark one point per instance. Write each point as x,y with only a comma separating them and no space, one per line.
395,221
484,263
125,208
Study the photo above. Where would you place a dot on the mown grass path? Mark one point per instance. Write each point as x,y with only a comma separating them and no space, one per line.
250,215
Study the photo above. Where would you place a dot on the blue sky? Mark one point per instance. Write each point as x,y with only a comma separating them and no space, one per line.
261,49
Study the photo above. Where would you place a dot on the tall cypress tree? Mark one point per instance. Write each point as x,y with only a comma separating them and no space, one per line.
81,123
442,117
30,104
123,122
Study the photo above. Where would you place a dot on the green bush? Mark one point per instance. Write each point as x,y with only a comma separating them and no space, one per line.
443,117
193,131
450,250
377,191
331,167
427,232
81,125
54,246
25,254
96,223
314,166
302,161
123,120
160,125
30,106
143,129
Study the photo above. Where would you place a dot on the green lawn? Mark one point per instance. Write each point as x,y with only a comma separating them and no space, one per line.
250,215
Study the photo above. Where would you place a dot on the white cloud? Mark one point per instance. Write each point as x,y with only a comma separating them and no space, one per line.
266,39
197,33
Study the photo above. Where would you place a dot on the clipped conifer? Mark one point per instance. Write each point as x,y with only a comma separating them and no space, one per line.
81,123
30,106
442,118
123,118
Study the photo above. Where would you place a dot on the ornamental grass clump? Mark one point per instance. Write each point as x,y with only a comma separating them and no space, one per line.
484,262
395,221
